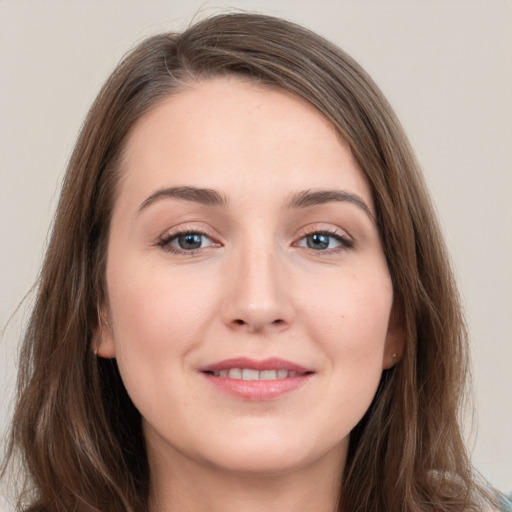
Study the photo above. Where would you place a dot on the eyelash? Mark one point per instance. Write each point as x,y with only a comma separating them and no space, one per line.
345,243
165,241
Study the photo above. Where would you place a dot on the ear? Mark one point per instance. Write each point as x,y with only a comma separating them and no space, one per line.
395,340
103,341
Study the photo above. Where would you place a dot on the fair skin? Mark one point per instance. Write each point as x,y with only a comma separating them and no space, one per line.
225,263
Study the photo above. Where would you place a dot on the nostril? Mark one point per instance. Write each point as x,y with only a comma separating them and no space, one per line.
256,324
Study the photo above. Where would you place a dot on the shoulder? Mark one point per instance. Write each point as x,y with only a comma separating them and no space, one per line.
506,502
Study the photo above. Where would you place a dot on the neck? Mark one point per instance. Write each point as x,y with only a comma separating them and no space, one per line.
179,484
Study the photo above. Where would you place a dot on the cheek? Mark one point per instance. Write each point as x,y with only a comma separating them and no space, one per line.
348,323
351,316
155,306
157,317
350,326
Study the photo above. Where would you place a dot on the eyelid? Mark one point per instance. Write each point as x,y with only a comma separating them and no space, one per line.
164,240
346,241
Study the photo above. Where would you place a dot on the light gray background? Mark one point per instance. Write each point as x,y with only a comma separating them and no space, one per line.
445,65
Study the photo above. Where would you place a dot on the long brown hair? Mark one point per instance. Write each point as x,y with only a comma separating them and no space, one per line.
78,434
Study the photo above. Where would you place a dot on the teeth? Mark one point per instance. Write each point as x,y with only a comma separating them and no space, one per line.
235,373
250,374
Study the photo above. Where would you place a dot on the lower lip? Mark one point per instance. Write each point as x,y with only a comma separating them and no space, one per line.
258,390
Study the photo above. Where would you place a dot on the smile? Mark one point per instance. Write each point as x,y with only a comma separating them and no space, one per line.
250,374
256,380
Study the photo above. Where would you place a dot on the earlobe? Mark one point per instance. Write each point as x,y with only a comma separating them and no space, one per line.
393,351
103,342
104,347
395,342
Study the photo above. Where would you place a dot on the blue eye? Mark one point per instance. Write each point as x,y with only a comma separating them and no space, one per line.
322,241
185,242
189,241
318,241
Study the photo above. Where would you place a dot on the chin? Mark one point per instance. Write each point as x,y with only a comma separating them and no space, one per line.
261,466
272,456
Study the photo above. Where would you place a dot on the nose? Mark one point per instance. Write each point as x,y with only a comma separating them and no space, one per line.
258,296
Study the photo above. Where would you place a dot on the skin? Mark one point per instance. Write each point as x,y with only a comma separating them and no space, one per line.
254,288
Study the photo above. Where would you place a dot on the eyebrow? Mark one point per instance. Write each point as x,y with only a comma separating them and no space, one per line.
310,198
210,197
204,196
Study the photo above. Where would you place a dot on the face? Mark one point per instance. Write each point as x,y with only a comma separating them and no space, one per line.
248,294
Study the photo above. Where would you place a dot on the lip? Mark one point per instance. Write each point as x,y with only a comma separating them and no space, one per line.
271,363
257,390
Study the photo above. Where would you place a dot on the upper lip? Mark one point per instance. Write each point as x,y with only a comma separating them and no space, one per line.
271,363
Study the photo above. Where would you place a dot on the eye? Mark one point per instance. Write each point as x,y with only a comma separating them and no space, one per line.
324,241
188,241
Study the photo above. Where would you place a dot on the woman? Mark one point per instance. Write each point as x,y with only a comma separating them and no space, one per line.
246,302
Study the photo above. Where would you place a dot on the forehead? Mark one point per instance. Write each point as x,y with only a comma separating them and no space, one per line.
234,134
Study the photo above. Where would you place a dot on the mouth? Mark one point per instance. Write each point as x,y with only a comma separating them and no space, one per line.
250,374
256,380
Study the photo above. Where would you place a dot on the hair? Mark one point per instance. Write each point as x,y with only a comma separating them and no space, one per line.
75,430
